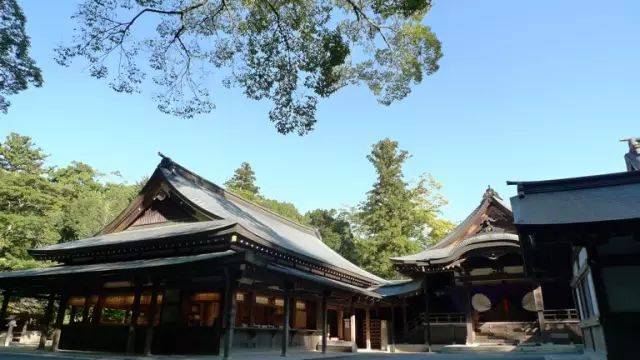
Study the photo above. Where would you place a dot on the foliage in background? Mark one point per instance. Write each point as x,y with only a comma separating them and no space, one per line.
291,53
40,205
243,183
17,69
335,230
396,219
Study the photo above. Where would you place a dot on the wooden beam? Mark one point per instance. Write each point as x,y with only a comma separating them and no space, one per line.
367,327
405,322
427,315
392,329
285,320
96,316
151,317
62,309
133,322
6,297
539,304
44,328
73,314
341,323
230,306
471,334
85,309
324,322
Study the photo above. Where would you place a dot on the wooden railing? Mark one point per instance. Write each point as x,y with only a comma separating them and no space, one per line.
447,318
561,315
436,318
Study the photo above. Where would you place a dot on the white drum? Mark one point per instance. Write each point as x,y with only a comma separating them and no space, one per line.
480,302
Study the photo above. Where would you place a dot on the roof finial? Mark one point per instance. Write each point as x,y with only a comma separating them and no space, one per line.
491,193
632,158
166,161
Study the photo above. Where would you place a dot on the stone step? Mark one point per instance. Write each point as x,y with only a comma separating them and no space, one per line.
477,348
339,346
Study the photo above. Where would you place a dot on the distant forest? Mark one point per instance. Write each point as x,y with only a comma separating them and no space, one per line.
41,204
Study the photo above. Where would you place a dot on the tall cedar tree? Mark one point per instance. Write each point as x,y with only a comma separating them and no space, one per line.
243,180
396,219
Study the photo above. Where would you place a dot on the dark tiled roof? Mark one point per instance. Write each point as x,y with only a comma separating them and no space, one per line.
139,235
271,227
228,212
113,266
458,240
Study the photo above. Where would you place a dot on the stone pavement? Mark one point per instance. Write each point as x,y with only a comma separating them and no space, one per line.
29,354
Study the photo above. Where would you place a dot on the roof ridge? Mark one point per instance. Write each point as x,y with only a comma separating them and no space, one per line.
167,162
449,240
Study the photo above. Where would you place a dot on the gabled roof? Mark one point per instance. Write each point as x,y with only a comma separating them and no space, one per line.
215,209
489,224
217,202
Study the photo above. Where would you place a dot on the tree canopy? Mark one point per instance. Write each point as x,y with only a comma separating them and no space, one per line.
41,205
291,53
17,69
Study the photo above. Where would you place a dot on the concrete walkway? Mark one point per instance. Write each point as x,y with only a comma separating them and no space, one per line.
29,353
21,353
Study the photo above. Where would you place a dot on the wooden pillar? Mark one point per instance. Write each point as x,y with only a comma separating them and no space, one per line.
151,319
471,333
73,314
405,323
539,303
6,297
230,306
427,315
135,314
352,327
285,321
352,322
341,323
252,305
392,329
85,309
10,326
44,328
57,331
367,327
324,322
97,309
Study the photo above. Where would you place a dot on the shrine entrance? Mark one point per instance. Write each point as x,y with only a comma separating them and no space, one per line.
504,303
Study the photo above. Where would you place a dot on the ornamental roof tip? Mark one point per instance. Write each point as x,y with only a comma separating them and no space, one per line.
490,192
632,158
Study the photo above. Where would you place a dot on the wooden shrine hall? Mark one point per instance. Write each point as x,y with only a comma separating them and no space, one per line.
189,267
476,288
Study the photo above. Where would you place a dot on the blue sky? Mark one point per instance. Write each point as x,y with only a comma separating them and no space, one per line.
525,91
